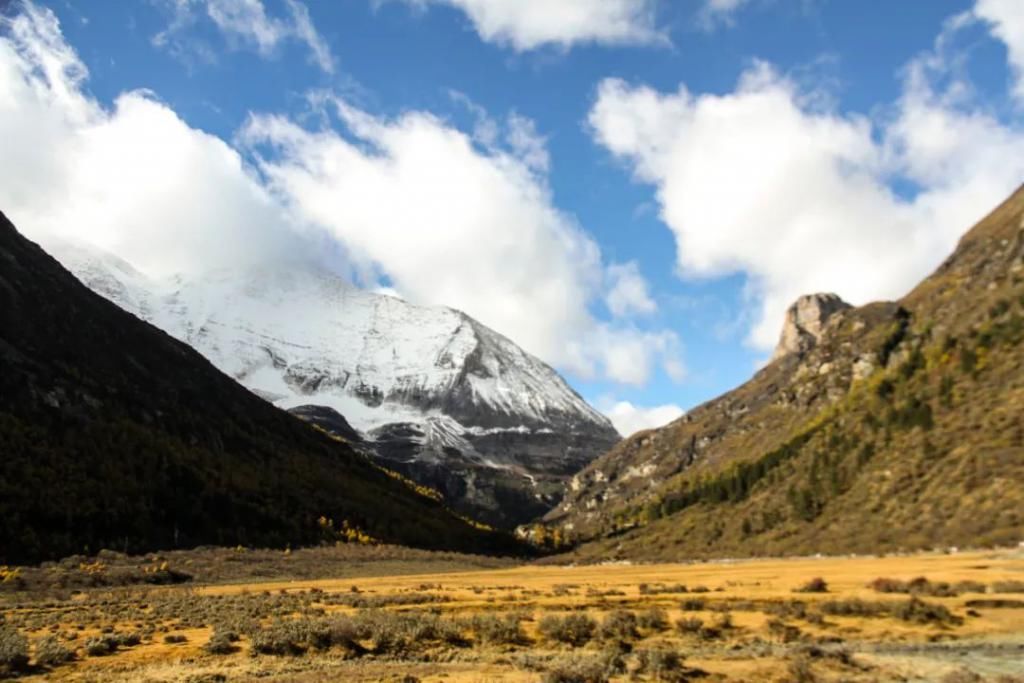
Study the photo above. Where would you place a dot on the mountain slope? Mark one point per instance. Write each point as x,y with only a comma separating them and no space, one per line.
437,395
114,434
893,425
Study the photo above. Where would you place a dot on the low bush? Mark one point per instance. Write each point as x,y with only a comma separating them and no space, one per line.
800,671
921,612
815,585
222,642
922,586
13,650
574,629
101,646
786,633
498,630
1008,587
51,652
654,619
692,605
589,669
693,625
662,664
619,625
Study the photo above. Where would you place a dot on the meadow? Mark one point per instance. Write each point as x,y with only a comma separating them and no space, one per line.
400,615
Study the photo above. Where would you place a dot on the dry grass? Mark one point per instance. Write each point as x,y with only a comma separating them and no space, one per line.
589,623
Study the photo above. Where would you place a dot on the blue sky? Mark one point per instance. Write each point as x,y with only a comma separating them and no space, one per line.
677,171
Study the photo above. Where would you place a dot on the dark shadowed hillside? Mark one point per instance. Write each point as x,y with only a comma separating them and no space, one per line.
115,435
893,425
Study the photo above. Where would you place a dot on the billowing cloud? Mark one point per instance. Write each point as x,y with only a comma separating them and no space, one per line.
452,222
136,180
415,204
768,182
629,419
245,23
529,24
1005,19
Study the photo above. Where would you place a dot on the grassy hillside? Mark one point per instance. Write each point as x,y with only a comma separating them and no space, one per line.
114,435
903,428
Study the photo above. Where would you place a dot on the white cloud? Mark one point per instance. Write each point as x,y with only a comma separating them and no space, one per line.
136,180
529,24
452,223
627,294
629,419
419,205
1006,22
246,23
527,143
716,12
766,181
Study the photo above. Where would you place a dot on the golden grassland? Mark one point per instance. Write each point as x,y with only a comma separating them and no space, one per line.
716,621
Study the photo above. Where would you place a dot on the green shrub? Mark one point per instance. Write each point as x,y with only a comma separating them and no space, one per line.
619,625
574,629
591,669
654,619
13,650
51,652
101,646
495,630
661,664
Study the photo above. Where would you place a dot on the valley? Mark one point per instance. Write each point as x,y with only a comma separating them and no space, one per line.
401,615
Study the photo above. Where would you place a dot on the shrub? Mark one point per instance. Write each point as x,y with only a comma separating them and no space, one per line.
51,652
800,671
724,622
692,605
970,587
13,650
101,646
662,664
921,612
1008,587
593,669
574,629
654,619
221,643
854,608
495,630
815,585
786,633
693,625
619,625
280,638
175,639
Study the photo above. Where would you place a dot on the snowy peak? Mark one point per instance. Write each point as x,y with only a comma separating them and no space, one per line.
436,393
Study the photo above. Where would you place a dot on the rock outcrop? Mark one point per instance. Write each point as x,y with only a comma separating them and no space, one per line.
806,321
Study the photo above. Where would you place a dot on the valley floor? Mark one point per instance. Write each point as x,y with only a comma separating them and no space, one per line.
721,621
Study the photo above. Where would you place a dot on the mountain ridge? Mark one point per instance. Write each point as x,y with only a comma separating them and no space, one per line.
116,435
898,428
436,395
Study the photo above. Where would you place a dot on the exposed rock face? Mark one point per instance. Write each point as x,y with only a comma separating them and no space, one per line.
805,322
439,396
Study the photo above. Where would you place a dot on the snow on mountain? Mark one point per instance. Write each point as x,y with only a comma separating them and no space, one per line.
441,396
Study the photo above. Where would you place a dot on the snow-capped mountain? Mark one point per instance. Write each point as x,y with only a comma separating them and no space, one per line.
446,400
